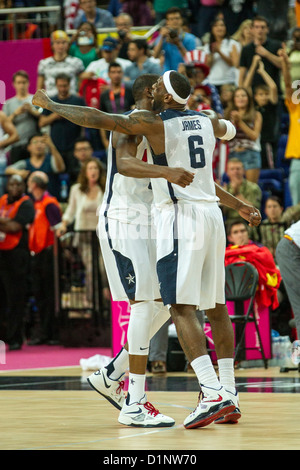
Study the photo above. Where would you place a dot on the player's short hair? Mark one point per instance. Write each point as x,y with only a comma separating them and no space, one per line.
146,80
180,84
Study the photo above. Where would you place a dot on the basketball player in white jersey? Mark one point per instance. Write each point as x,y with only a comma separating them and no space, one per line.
190,231
128,246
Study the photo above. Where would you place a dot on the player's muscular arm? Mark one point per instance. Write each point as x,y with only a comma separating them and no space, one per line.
248,212
141,122
219,125
129,165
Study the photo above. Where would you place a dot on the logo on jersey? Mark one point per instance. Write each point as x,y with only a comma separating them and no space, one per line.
193,125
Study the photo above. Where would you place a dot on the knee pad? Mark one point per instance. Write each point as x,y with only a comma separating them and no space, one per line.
138,333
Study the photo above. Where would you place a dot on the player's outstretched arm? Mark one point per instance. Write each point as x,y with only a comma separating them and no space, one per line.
248,212
129,165
141,122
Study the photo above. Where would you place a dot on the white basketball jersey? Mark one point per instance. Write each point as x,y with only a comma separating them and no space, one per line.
125,198
189,143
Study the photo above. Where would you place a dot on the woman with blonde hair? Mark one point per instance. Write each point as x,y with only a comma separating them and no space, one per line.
248,122
244,35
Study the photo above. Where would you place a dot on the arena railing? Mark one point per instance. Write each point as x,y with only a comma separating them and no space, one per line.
53,16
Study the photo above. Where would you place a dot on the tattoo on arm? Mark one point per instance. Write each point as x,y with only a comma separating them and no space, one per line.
93,118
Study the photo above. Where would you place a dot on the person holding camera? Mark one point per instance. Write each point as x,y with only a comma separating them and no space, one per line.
84,43
173,42
124,23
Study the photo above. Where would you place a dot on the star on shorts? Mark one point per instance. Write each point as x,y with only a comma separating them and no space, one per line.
130,279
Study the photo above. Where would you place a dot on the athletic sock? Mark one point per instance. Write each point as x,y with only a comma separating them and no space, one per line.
117,367
226,374
205,372
136,388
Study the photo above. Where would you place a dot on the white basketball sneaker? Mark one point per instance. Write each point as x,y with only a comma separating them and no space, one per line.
233,416
212,405
110,389
143,415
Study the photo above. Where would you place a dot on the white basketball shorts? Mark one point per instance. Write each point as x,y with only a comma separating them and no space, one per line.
190,254
129,254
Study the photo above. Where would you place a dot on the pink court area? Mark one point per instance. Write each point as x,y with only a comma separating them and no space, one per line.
44,356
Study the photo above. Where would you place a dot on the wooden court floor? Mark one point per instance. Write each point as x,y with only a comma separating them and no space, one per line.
54,409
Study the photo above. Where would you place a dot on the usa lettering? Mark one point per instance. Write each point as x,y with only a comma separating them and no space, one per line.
191,125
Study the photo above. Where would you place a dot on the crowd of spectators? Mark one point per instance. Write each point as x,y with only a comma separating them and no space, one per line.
238,64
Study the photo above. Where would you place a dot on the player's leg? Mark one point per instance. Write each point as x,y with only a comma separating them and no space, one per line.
215,402
223,337
136,410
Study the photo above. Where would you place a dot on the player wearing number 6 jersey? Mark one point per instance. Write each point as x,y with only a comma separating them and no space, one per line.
189,228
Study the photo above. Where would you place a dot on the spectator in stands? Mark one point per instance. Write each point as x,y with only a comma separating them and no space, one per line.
84,200
240,187
88,11
16,213
43,156
21,114
141,62
139,10
41,241
59,62
241,247
293,53
160,8
243,35
8,135
124,24
272,228
200,98
117,99
99,68
292,150
223,55
226,94
287,255
84,43
266,101
197,73
207,11
172,41
62,131
248,122
82,152
266,48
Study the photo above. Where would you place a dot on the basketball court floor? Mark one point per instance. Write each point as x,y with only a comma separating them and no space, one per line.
55,409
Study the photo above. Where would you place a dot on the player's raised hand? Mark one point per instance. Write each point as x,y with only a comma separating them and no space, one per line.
41,99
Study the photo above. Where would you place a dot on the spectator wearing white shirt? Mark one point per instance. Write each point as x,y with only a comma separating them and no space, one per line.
59,62
99,68
222,55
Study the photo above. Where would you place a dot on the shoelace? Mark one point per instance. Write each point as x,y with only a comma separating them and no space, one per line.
120,387
151,409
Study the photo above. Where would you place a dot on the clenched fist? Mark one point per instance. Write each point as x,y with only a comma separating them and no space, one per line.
41,99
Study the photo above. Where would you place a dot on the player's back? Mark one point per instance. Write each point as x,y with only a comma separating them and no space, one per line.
189,143
126,198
